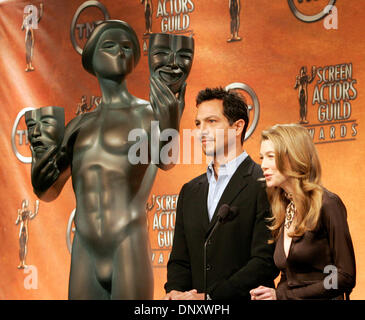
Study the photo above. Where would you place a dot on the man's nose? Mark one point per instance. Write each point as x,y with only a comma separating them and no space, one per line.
203,130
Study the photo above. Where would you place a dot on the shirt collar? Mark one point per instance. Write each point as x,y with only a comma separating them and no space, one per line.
228,168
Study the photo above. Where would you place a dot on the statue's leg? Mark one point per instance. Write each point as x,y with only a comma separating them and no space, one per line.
83,283
28,50
132,266
302,105
22,249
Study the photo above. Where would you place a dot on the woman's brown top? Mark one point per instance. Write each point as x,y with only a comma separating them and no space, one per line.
309,271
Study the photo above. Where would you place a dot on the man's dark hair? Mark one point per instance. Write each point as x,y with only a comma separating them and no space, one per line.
234,105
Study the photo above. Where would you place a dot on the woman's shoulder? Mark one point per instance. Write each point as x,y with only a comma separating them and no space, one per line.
332,206
330,198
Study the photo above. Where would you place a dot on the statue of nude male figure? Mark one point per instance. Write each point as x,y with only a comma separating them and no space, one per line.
111,256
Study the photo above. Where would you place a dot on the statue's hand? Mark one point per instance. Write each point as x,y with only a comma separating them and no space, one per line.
45,171
165,104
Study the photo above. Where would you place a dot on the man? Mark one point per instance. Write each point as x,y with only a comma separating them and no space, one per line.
238,254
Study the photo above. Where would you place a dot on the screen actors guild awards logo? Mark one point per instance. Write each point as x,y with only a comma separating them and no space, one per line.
301,83
24,216
175,18
333,95
30,23
162,227
234,11
83,106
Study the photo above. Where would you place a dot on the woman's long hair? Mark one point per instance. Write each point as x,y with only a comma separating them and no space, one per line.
296,157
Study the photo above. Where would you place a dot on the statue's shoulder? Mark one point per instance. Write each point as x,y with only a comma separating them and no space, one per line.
143,107
75,124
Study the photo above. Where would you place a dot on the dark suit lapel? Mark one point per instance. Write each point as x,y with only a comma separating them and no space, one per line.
201,199
238,181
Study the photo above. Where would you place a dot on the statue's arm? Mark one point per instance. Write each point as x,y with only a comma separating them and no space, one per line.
296,82
313,75
18,218
41,12
36,208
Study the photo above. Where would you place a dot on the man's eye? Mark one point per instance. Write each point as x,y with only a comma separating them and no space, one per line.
212,121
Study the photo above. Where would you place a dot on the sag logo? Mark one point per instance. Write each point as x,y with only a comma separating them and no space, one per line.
255,107
84,30
19,137
328,10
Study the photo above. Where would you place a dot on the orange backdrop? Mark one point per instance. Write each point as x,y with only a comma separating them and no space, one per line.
274,46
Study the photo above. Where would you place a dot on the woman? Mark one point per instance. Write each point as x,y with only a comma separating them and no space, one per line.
313,245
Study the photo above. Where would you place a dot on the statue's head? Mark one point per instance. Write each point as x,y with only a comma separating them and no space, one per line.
112,50
303,70
46,127
170,58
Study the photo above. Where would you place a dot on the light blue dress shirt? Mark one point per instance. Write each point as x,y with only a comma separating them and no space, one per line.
217,187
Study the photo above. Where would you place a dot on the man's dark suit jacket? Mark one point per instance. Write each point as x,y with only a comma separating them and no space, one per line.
238,256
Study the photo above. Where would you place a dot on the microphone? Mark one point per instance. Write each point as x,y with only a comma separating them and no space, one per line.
225,214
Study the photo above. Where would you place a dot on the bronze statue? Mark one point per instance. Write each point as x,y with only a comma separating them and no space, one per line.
301,83
29,38
234,11
148,11
111,255
24,215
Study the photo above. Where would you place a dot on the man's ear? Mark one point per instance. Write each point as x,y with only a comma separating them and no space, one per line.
238,126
